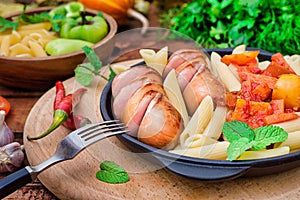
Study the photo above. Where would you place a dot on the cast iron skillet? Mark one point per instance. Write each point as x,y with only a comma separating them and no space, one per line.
203,169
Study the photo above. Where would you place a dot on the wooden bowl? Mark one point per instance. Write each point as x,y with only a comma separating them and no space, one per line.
42,73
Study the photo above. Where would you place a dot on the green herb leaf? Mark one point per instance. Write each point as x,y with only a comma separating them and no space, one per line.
84,73
243,138
110,172
234,130
6,24
93,58
33,19
237,147
112,74
271,25
266,135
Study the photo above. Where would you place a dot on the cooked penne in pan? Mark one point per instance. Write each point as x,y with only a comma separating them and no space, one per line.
251,155
199,120
215,151
156,60
230,81
293,141
214,128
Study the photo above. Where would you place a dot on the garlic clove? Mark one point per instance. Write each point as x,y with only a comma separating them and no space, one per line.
11,157
6,134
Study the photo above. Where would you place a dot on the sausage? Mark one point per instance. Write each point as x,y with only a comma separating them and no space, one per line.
127,77
186,63
121,97
202,84
161,124
137,104
178,58
142,98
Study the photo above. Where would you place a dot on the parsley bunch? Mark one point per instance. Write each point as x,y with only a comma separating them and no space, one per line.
273,25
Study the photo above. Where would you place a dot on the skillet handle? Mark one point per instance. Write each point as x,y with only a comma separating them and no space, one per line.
202,171
14,181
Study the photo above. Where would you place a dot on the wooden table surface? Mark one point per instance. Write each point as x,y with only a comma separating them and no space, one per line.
22,102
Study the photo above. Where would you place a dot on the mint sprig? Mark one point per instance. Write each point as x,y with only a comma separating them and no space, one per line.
266,135
110,172
243,138
85,72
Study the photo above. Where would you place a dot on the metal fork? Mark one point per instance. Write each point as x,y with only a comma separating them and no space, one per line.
67,149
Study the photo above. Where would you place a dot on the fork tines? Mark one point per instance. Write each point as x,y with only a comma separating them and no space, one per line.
101,130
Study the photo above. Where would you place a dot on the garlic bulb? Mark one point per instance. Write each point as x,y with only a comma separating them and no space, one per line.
6,135
11,157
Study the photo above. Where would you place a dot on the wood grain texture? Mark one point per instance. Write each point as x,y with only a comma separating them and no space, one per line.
75,179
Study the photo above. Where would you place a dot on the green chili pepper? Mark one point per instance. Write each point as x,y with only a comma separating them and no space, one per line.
63,46
88,28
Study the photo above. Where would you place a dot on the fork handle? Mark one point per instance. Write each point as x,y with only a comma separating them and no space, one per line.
14,181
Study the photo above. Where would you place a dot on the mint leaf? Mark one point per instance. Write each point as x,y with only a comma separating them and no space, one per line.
237,147
93,58
84,73
113,178
111,166
266,135
234,130
110,172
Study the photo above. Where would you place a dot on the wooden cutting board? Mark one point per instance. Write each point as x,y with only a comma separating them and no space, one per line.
75,179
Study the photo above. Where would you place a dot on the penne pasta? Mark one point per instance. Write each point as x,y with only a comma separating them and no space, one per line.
294,62
25,55
215,151
24,33
19,49
199,120
234,71
239,49
4,48
156,60
15,37
37,26
198,140
293,141
263,65
37,49
230,81
251,155
290,126
174,94
28,41
214,128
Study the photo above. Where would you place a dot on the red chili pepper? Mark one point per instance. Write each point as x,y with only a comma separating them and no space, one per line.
60,93
62,110
75,121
